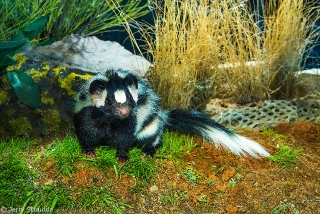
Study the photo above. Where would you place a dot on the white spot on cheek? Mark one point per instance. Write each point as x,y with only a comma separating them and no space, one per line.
99,98
120,96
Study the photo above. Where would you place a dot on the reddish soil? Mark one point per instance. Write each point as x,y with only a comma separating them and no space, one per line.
226,183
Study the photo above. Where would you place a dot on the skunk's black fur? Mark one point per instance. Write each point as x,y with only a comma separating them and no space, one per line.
119,109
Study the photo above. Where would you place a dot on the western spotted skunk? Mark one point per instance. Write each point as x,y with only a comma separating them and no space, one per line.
118,108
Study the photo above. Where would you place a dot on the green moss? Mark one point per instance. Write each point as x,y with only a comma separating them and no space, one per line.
10,112
58,69
20,126
6,84
67,82
39,73
46,100
51,120
20,60
3,97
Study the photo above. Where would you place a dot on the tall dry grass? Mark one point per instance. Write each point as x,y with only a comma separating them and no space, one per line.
202,48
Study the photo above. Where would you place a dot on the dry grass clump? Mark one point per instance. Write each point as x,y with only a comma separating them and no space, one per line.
202,49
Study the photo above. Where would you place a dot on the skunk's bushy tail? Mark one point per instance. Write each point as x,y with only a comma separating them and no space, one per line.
196,123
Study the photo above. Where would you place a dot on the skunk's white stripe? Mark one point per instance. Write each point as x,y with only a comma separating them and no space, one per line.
150,129
142,114
238,144
156,141
120,96
134,93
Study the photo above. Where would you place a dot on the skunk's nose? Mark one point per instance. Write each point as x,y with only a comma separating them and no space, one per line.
123,111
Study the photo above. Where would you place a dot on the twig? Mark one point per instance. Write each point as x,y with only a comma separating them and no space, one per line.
191,210
282,168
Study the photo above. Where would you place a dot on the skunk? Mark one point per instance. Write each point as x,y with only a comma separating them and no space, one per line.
118,109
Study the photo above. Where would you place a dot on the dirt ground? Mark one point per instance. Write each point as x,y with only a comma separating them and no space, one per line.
225,183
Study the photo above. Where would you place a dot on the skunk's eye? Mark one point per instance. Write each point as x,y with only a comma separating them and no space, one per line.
109,102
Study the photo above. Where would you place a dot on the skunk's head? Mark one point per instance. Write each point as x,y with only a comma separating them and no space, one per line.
114,93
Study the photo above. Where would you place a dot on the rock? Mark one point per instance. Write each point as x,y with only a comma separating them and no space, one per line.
93,55
270,113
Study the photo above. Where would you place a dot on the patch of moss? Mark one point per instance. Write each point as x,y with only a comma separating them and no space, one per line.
58,69
45,67
6,84
46,100
67,82
10,112
20,126
37,74
51,121
21,58
3,96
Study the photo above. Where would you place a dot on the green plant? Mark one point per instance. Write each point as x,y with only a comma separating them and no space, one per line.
139,165
66,17
16,178
268,132
98,199
66,154
16,15
106,157
285,208
24,86
192,175
175,145
286,156
47,198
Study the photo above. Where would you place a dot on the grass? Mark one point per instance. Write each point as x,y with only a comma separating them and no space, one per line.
24,185
201,50
286,156
175,146
66,17
285,208
192,175
16,177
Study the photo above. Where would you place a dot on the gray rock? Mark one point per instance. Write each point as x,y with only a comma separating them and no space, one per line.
93,55
269,113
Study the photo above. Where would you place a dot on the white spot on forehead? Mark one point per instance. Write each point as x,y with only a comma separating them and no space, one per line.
120,96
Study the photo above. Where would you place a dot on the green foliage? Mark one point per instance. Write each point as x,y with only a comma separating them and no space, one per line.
95,198
192,175
91,17
17,15
35,27
15,176
65,154
286,156
49,197
25,88
269,132
66,17
10,47
175,145
285,208
105,157
139,165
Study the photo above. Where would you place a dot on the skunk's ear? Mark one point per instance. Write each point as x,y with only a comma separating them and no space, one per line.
97,86
132,81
